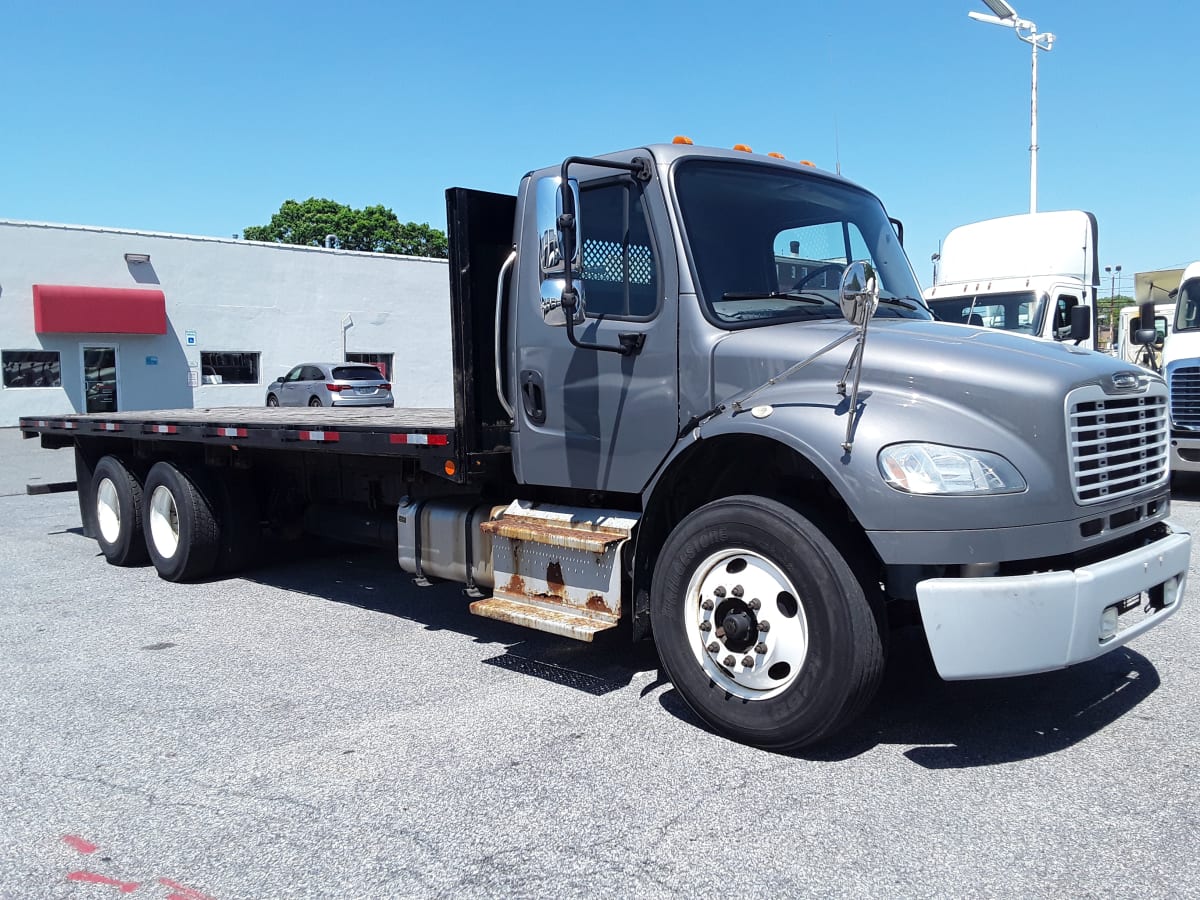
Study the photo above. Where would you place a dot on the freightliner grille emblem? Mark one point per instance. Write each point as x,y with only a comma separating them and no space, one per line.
1126,381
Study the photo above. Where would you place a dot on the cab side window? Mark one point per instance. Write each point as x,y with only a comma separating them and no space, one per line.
619,272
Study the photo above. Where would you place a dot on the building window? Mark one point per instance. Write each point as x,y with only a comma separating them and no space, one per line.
381,361
229,367
31,368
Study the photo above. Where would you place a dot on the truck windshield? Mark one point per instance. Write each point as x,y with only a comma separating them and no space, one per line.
1014,311
1187,306
769,244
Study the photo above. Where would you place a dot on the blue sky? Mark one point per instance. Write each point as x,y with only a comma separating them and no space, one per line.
204,118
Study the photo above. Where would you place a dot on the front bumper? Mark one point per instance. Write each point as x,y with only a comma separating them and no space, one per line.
1016,625
1185,452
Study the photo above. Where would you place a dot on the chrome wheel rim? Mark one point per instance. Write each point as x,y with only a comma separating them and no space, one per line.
108,510
745,624
164,522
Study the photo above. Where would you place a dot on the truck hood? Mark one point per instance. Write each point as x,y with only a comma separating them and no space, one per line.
1012,380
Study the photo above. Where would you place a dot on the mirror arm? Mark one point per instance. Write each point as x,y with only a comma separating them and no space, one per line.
631,343
642,170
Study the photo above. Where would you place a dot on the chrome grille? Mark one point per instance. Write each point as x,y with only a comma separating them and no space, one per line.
1185,396
1119,444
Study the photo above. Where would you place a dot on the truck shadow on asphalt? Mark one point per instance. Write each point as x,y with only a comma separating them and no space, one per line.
947,725
965,724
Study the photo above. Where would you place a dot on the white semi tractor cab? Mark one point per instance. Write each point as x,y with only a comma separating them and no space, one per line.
1032,274
1181,366
697,393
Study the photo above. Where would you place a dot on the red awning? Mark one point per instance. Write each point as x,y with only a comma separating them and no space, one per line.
67,309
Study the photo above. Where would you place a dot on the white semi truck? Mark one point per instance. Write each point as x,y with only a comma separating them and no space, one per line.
1181,364
1033,274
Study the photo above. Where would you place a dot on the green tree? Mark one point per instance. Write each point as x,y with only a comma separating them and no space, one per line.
374,229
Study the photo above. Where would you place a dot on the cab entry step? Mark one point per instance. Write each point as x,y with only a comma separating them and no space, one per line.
557,568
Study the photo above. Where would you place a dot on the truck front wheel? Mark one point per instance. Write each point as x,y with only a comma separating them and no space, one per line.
182,530
117,498
762,625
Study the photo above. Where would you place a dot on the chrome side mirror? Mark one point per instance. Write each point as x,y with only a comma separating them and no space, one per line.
553,311
859,293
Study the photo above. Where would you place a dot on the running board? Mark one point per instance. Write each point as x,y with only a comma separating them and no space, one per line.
530,614
556,568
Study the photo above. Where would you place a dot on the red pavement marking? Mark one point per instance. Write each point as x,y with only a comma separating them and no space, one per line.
92,878
79,843
184,892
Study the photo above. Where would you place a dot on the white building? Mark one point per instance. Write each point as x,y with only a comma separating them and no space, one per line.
97,319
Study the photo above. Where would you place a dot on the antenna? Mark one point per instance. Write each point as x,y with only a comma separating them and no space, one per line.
837,145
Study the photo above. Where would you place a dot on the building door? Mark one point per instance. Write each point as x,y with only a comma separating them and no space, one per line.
100,378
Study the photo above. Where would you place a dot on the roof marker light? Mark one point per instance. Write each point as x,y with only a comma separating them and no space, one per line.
808,162
776,155
682,139
745,148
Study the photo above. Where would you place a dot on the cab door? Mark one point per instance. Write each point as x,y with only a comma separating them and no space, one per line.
586,418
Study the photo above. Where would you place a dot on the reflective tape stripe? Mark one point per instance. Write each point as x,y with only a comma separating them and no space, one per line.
433,440
231,432
326,436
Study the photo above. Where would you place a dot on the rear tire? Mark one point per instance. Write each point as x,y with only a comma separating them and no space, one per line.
117,502
315,401
762,626
183,534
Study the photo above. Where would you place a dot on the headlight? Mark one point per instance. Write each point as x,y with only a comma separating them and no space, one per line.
935,469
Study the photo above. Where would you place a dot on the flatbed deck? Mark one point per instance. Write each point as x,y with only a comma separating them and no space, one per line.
374,431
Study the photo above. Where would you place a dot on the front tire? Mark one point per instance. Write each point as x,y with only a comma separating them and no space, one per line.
180,522
762,626
272,400
117,498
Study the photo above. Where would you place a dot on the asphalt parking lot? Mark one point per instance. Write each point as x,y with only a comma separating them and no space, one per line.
320,727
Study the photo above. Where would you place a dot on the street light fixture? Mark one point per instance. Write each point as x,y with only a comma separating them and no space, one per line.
1026,31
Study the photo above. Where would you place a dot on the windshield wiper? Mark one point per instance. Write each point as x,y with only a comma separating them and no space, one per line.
774,295
905,302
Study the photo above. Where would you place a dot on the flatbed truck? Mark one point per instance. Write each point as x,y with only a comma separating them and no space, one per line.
697,393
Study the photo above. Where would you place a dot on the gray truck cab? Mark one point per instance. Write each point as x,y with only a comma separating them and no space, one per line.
676,352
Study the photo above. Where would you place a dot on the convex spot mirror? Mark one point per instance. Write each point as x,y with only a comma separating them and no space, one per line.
1145,336
859,292
553,311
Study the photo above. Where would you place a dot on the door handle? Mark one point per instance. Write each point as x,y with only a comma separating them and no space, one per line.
533,396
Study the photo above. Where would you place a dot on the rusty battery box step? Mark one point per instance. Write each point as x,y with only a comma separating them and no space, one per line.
556,568
556,620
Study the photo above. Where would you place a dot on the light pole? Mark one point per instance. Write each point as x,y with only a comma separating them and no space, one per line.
1115,271
1027,31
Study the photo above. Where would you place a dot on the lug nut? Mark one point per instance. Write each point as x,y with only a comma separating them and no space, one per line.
764,626
748,662
714,647
706,626
720,591
760,647
729,661
737,590
755,604
706,604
